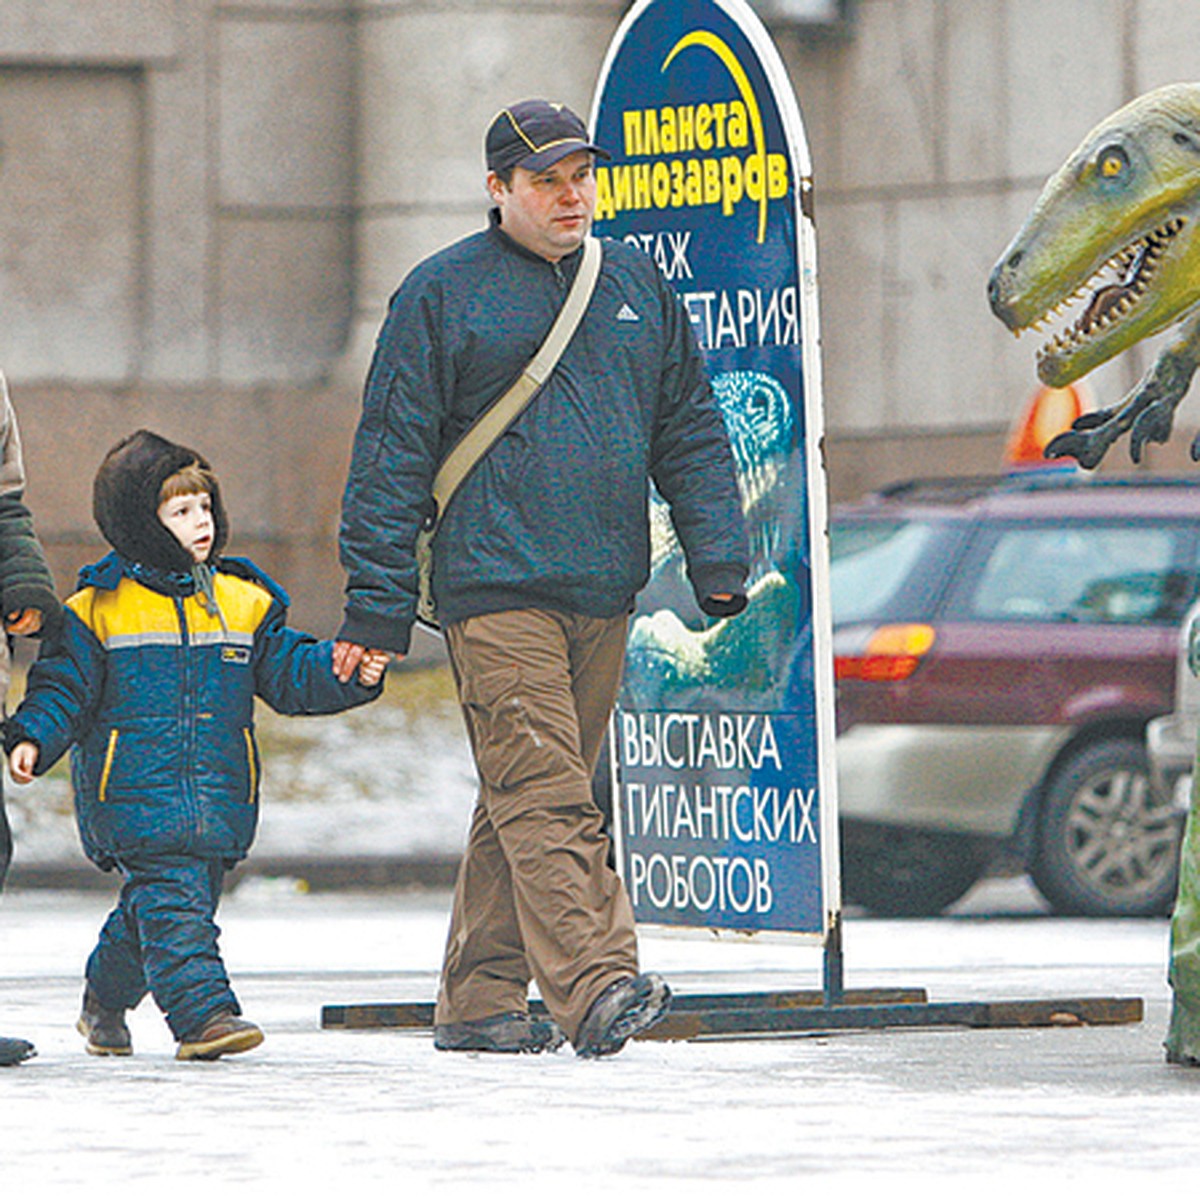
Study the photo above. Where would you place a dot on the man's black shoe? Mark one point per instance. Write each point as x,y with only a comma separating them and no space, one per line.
620,1012
14,1050
506,1033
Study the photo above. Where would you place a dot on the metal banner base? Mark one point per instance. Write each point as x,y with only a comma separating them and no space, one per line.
834,1007
759,1014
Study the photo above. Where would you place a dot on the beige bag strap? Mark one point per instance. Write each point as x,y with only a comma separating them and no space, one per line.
477,440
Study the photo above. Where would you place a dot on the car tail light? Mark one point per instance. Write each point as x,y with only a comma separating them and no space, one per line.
882,653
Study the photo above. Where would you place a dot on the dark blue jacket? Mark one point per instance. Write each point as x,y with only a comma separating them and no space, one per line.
556,514
156,695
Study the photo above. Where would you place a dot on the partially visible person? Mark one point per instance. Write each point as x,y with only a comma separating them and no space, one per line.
1183,1033
163,650
536,565
28,604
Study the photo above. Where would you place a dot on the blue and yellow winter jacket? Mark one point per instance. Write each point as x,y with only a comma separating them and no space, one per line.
155,692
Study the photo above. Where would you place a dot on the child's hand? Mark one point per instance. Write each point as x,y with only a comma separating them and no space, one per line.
349,657
21,761
26,622
372,666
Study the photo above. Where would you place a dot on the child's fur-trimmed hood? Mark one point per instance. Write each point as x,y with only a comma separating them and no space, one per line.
125,501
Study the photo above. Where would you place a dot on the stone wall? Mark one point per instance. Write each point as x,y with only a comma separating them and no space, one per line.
932,129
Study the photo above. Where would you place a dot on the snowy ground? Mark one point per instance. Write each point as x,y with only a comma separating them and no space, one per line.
909,1112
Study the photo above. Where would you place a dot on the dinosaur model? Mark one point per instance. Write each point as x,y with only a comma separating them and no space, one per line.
1116,228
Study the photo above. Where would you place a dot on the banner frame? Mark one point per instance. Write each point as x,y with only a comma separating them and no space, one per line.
783,96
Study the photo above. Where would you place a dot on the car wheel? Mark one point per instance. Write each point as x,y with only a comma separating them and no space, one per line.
897,872
1108,844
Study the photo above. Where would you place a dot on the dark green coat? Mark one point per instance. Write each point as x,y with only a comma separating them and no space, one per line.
556,514
25,579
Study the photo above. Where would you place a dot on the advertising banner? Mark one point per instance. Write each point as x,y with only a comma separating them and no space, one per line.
724,785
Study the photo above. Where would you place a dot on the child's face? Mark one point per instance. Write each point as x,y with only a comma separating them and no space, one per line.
189,518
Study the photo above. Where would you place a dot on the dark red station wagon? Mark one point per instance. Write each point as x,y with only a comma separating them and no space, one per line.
999,647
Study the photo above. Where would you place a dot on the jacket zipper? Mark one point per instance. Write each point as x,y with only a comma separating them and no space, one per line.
250,759
109,755
187,722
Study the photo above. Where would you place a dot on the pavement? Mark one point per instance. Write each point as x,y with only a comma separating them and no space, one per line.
915,1111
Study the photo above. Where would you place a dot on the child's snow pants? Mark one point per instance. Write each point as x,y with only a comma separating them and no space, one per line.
162,938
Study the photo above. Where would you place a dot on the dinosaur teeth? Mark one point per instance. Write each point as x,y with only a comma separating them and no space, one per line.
1111,294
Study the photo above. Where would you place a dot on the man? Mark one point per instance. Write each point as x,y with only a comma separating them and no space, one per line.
536,565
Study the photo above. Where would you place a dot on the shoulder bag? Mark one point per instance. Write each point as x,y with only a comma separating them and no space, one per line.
496,418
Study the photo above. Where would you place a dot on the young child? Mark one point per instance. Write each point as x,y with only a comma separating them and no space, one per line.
28,605
163,649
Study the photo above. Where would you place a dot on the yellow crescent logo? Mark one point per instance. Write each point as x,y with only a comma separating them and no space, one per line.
710,41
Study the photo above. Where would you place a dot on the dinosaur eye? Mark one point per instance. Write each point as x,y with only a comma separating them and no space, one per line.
1112,162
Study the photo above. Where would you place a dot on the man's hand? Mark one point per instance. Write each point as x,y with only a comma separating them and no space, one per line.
374,663
22,760
26,622
723,604
349,657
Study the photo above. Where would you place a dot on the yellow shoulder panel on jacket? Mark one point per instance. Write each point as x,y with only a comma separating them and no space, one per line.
135,615
243,604
128,613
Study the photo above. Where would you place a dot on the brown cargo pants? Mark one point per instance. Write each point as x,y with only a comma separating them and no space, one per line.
536,897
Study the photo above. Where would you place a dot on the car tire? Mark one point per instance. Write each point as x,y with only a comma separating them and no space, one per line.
1108,843
898,872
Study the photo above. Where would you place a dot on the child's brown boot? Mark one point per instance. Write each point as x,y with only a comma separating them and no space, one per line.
104,1028
224,1034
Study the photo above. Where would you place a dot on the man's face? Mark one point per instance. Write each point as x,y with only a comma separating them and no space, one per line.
549,211
190,519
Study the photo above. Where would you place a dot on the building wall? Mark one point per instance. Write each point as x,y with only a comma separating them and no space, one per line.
932,130
204,205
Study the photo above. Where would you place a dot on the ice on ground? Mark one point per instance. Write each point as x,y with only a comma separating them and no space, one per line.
913,1112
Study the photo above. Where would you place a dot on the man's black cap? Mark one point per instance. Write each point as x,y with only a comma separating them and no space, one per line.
535,134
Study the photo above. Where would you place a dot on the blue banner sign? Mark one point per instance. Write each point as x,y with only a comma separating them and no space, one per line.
724,785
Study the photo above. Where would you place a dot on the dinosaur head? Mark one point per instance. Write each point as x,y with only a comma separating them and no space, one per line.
1117,229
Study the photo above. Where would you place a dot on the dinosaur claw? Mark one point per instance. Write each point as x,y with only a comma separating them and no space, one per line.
1153,424
1138,437
1085,448
1091,420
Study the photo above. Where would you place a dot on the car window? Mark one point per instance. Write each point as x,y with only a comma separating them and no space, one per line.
1086,573
870,563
